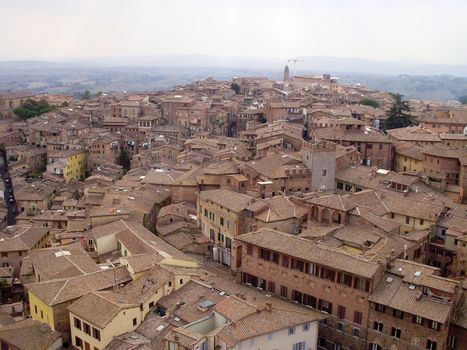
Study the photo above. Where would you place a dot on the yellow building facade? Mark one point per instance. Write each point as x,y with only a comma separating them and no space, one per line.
404,163
40,311
69,164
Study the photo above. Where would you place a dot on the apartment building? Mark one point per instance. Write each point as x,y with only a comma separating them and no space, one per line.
369,304
222,216
333,282
69,165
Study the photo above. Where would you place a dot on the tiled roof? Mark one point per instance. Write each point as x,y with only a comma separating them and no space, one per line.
228,199
59,291
263,322
24,239
398,294
100,308
307,250
29,334
62,262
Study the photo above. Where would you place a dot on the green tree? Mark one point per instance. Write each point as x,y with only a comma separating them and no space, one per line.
463,99
99,93
86,95
235,87
399,113
33,108
369,102
124,159
65,104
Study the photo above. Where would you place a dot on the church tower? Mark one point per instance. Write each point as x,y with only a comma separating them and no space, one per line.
286,73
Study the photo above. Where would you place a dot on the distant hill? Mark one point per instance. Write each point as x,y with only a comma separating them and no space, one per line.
151,73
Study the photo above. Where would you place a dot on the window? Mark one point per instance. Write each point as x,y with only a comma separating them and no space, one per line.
4,255
275,257
205,212
324,172
430,345
284,291
299,346
285,261
252,341
341,311
356,332
297,264
417,319
407,219
340,326
452,341
96,333
313,269
327,274
374,346
421,221
264,254
78,342
35,309
395,332
269,336
337,346
291,330
309,300
249,249
135,322
86,328
222,221
357,317
228,243
325,306
378,326
398,313
211,234
170,283
77,323
306,327
271,287
344,278
361,283
380,308
321,342
434,325
151,304
340,185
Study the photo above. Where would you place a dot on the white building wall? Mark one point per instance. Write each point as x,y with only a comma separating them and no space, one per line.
281,340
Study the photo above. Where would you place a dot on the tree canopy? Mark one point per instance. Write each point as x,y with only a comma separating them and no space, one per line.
369,102
33,108
235,87
86,95
124,159
399,113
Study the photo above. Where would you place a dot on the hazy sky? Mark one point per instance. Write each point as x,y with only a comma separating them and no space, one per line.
419,31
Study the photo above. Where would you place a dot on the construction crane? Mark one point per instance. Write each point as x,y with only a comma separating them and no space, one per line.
294,60
8,193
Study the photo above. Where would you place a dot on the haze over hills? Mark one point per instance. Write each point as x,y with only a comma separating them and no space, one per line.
145,73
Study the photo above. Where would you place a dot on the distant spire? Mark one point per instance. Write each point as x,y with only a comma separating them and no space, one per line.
286,73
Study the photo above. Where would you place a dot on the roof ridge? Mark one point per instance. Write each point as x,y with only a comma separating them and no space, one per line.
57,294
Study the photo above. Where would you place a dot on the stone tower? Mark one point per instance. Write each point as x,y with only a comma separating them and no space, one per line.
286,73
320,158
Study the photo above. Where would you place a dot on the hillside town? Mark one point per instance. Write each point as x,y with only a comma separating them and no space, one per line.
242,214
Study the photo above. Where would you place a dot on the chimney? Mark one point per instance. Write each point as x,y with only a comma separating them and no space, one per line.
268,306
176,338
